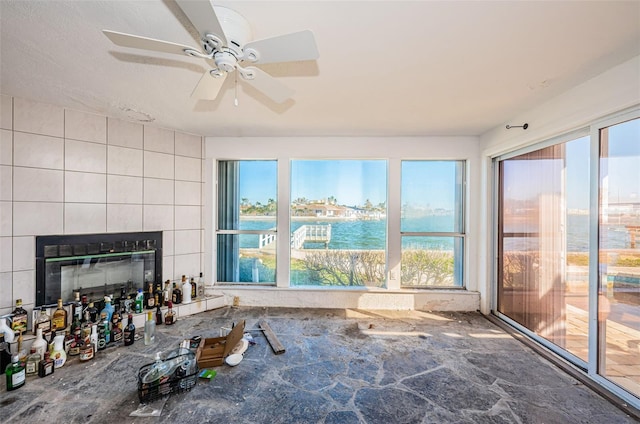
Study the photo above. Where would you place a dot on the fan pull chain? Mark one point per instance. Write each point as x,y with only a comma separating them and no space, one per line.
235,101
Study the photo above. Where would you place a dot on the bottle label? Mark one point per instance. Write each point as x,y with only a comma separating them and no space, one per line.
17,379
58,322
117,336
152,302
19,323
86,353
48,368
31,368
45,326
168,319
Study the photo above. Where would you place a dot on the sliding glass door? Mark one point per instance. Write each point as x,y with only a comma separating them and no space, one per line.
568,248
619,255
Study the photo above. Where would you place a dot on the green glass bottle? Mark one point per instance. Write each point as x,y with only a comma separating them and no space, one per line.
16,375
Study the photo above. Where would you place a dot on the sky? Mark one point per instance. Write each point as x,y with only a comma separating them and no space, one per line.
351,182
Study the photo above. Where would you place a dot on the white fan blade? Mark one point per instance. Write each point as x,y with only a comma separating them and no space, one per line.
208,87
268,85
138,42
284,48
203,17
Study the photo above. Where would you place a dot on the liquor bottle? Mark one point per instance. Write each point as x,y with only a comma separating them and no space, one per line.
117,334
139,301
76,324
129,331
158,315
149,329
68,340
176,295
9,335
85,305
102,332
40,344
46,366
149,299
5,354
21,351
86,352
166,293
91,313
77,304
94,338
170,316
200,286
33,360
19,321
186,290
43,322
59,319
76,345
127,305
158,295
15,373
194,288
108,308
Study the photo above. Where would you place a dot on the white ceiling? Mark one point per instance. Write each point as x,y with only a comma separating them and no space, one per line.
385,67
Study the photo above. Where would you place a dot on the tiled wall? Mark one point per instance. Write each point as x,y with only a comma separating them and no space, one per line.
68,172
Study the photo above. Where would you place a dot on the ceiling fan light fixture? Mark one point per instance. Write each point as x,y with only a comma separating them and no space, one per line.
236,28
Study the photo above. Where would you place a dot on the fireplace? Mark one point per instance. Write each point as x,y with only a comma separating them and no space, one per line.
96,265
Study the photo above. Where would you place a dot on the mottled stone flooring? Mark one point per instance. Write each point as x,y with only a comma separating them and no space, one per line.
340,366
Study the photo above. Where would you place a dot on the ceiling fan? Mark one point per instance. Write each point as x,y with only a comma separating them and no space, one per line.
226,46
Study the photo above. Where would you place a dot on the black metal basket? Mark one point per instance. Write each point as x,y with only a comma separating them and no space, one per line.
180,379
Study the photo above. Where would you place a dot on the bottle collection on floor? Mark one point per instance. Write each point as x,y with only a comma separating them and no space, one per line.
87,326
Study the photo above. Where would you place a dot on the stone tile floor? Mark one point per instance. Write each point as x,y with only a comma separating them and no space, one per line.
340,366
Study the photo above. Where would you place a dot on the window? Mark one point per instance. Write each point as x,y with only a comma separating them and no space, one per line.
338,222
432,223
246,221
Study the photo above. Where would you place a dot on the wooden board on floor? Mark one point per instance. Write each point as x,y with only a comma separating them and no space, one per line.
277,347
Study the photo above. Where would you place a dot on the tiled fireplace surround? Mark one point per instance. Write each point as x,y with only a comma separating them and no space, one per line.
68,172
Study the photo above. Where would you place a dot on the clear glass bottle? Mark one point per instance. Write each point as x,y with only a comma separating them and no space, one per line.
59,318
16,375
166,293
40,344
43,322
149,329
200,286
19,320
33,360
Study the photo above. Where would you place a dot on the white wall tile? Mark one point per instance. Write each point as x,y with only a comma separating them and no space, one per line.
188,193
85,126
124,161
6,112
6,147
158,165
38,118
187,218
6,182
158,140
38,151
187,264
24,286
188,145
123,133
85,156
6,221
187,241
37,218
24,252
167,268
83,218
122,218
167,242
85,187
158,217
188,169
39,185
122,189
6,288
6,254
158,192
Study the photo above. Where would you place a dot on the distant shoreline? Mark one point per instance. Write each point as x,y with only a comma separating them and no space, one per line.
308,218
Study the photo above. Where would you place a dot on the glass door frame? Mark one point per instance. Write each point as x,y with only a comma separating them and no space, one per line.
590,368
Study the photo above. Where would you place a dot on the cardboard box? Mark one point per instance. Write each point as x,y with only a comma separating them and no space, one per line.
212,352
